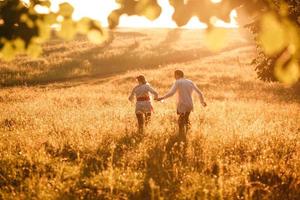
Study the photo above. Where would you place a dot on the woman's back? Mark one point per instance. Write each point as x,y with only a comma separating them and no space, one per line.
142,90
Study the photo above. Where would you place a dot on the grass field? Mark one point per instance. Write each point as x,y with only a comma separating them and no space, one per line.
67,130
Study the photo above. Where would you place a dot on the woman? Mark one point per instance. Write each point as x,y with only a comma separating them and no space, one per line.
143,107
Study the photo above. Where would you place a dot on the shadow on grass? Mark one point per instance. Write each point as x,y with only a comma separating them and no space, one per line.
268,184
164,169
93,162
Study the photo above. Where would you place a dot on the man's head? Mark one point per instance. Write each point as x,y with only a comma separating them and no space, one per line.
141,79
178,74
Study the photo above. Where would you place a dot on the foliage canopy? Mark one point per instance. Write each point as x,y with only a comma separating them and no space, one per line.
275,24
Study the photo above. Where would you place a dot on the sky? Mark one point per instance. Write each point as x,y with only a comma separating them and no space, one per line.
100,9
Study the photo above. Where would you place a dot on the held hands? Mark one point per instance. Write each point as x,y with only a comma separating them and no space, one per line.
158,98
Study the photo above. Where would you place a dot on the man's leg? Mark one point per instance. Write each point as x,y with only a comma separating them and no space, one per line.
184,124
140,119
187,121
181,124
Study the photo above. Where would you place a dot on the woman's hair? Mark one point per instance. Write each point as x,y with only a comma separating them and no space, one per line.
141,79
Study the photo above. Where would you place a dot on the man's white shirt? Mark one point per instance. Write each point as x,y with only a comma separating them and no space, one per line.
184,89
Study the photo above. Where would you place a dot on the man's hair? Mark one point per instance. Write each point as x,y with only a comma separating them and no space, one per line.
141,79
179,73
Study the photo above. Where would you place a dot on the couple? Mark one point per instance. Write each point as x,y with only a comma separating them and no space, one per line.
182,86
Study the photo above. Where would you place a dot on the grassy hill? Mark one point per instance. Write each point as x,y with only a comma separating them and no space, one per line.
67,130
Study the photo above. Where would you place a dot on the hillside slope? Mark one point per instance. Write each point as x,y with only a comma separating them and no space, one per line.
71,132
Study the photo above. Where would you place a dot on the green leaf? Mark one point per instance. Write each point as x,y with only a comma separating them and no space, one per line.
46,3
289,73
19,45
148,8
216,39
113,19
24,18
66,9
44,30
34,50
96,36
283,9
83,25
7,52
151,12
50,18
272,36
292,36
68,29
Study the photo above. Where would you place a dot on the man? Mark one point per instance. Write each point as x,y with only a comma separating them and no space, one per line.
184,88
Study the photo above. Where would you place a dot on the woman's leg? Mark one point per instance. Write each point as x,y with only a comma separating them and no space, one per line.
140,119
147,118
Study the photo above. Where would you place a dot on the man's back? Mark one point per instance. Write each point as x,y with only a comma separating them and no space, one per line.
184,88
184,99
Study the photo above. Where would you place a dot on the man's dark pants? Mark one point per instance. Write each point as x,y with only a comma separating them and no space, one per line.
183,123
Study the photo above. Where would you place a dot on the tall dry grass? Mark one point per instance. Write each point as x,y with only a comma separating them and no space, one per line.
71,132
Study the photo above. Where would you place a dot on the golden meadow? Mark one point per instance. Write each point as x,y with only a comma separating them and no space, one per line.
67,130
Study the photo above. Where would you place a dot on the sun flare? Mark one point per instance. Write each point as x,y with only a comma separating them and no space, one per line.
99,10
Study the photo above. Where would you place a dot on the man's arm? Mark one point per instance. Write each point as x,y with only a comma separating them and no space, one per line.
171,92
198,91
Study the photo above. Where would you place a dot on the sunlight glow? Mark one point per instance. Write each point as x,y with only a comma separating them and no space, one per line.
194,23
216,1
233,23
100,9
41,9
26,1
163,21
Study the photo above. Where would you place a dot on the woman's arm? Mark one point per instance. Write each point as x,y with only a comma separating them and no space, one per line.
130,98
152,91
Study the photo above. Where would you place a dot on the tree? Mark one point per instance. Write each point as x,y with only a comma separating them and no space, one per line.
281,64
275,24
23,29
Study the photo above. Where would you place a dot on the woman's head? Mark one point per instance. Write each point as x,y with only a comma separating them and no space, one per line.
141,79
